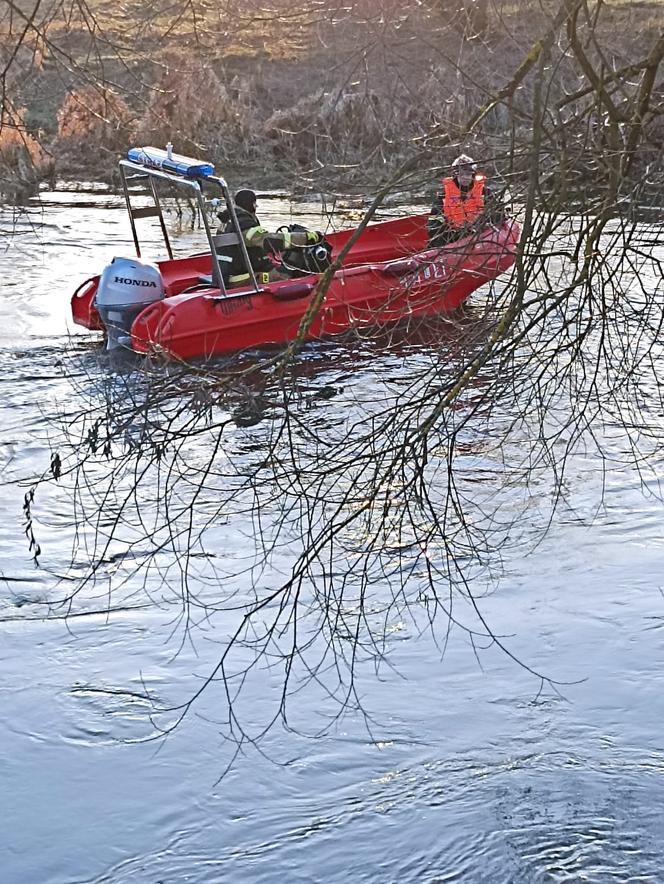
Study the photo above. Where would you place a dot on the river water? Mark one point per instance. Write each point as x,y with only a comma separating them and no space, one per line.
465,768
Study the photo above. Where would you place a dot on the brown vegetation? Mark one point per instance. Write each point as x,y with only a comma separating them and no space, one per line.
335,91
96,123
190,104
23,161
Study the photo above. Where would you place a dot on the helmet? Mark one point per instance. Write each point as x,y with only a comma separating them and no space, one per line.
245,199
464,160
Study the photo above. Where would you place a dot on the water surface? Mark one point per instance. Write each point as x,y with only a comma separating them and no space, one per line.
464,772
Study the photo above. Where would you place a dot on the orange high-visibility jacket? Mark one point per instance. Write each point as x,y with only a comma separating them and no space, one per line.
459,211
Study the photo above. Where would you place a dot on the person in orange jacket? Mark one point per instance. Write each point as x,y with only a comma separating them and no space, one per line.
462,202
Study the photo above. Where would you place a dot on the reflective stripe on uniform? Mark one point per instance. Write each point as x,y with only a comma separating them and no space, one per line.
244,277
252,232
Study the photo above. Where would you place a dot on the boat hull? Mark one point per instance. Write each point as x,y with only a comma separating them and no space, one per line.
388,276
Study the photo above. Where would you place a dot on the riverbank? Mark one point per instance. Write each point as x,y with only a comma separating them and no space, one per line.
324,97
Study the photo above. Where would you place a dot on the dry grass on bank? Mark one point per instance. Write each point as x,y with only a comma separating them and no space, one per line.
287,88
23,161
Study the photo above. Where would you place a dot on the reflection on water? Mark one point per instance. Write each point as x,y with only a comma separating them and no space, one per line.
462,774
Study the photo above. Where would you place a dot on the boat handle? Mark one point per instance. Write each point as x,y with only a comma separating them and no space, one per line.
83,285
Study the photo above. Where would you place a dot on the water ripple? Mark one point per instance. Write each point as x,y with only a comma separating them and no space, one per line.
516,821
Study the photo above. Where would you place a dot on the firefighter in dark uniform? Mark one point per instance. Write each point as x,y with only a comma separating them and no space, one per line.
260,242
463,200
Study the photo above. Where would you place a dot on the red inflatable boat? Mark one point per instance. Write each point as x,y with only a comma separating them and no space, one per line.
181,307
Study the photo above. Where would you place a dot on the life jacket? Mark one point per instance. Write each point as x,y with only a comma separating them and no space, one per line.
249,227
461,208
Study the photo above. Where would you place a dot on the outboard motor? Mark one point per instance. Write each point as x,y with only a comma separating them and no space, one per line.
126,287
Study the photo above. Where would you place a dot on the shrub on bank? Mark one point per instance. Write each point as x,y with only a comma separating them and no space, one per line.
94,121
340,128
190,105
23,161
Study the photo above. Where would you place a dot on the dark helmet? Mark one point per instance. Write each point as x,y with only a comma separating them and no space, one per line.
245,199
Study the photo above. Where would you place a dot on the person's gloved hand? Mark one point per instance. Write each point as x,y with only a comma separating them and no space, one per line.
314,237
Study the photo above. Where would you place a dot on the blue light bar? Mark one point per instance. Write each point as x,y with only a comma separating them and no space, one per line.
155,158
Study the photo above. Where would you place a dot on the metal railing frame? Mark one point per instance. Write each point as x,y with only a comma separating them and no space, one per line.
138,172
